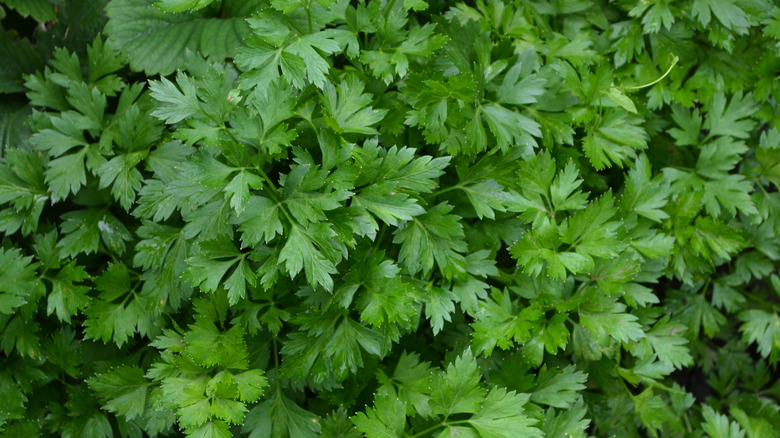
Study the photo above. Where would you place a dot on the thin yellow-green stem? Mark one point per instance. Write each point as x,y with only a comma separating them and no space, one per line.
649,84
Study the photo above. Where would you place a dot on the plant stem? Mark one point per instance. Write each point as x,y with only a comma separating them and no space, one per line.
639,87
445,190
438,426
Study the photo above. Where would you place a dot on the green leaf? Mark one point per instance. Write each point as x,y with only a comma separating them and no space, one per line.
22,59
303,251
203,338
655,413
499,323
719,157
348,107
83,231
417,5
90,102
644,195
731,120
718,425
439,306
268,52
22,185
239,189
754,426
769,159
263,62
669,344
166,159
763,328
620,98
250,385
501,416
212,429
162,253
385,298
116,322
121,174
712,238
486,197
344,346
211,264
559,389
309,192
274,104
280,416
104,59
556,334
538,251
614,140
689,122
160,42
401,168
387,62
732,192
109,319
388,205
376,169
421,41
124,389
590,231
510,127
67,297
699,313
515,90
178,102
40,10
229,410
43,92
182,5
563,190
18,280
456,390
194,413
66,175
259,221
410,382
659,14
387,419
434,236
612,322
569,423
728,13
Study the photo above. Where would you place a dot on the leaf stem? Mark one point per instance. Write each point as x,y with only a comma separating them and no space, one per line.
380,236
428,430
687,423
447,189
271,187
665,388
623,382
438,426
262,173
292,23
649,84
276,354
388,8
682,168
308,15
760,300
272,190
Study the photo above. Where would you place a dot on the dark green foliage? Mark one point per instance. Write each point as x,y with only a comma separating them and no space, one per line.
378,218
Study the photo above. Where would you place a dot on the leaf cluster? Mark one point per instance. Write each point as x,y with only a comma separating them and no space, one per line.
295,218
